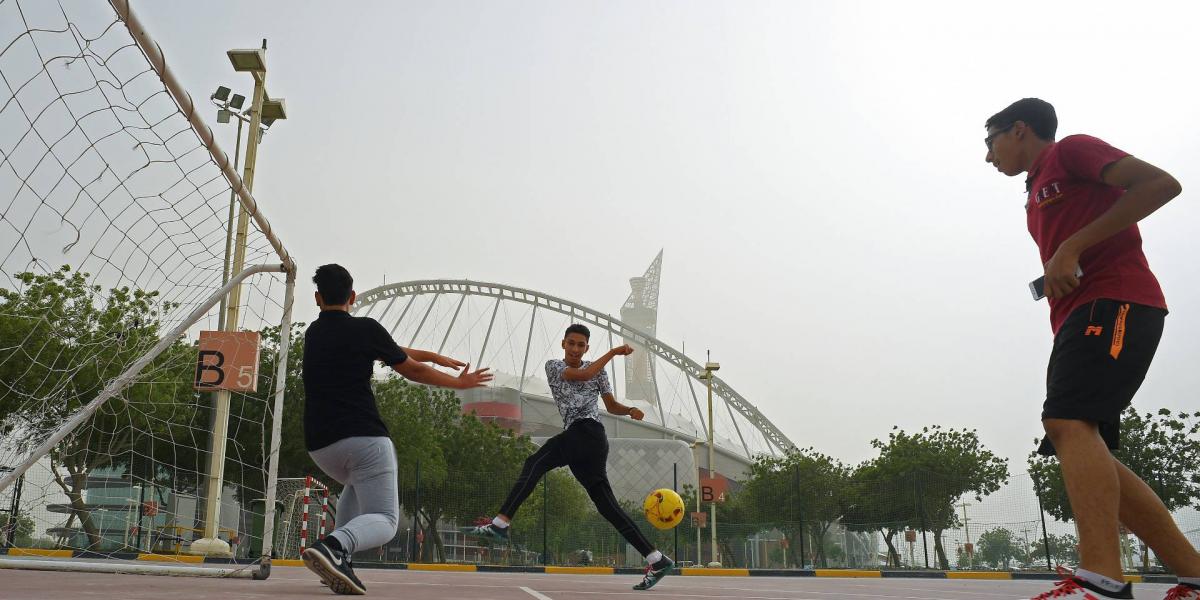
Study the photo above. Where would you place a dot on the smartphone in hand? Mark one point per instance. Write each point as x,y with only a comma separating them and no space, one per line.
1037,287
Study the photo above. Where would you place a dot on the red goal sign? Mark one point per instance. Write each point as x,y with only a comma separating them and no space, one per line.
712,489
228,360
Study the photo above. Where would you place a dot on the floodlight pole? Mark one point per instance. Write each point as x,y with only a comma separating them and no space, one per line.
211,544
237,153
699,509
709,367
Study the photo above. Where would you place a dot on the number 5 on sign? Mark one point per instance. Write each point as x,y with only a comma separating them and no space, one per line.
228,360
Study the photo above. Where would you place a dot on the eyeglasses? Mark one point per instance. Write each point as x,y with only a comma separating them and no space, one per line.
988,140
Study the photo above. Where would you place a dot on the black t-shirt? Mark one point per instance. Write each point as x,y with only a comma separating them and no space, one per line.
339,358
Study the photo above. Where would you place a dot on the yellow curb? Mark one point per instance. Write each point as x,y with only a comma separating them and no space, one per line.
286,562
1133,578
978,575
856,573
183,558
716,572
434,567
40,552
581,570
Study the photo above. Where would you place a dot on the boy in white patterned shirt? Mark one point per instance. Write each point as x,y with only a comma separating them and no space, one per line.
582,446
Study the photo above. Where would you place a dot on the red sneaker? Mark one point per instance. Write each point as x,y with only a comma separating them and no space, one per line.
1183,592
1074,588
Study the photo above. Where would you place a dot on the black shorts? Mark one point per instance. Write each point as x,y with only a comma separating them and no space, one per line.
1100,358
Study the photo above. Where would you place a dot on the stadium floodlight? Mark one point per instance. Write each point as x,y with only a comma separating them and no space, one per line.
237,101
250,59
223,116
273,109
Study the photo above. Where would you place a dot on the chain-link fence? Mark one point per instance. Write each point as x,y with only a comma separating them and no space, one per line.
927,527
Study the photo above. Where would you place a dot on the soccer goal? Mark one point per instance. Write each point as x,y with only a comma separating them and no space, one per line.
126,432
308,513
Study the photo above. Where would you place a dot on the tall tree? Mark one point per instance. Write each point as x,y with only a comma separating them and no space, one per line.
16,532
942,465
1064,549
998,547
880,499
802,490
1162,448
72,340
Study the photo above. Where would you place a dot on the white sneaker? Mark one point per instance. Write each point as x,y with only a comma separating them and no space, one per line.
1074,588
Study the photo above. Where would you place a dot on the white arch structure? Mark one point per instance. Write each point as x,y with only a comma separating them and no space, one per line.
411,290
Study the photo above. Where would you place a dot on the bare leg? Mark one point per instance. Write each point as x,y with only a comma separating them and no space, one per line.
1094,488
1146,516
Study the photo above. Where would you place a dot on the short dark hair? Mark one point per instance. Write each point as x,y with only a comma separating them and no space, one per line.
334,283
1037,114
580,329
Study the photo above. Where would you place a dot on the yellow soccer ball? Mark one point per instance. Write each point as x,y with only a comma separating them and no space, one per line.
663,508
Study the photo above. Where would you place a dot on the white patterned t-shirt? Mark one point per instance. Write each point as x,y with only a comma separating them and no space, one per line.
576,399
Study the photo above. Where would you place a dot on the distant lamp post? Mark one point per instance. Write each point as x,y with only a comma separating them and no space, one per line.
692,446
709,368
967,527
230,107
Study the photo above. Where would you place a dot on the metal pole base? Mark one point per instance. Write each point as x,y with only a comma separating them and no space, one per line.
210,547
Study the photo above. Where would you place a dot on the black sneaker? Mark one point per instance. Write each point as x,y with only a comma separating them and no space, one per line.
333,567
655,573
349,561
488,532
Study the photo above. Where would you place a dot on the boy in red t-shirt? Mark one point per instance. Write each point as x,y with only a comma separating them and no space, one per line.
1084,200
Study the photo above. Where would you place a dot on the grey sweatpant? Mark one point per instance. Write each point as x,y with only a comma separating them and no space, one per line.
368,510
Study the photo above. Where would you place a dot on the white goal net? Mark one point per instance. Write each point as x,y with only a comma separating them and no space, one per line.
114,204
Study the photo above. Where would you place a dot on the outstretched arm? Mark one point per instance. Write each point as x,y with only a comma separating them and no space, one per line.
590,371
423,373
426,356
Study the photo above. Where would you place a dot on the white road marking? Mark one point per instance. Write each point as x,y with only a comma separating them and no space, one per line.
535,594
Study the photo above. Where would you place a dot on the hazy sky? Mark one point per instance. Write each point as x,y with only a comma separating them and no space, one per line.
814,172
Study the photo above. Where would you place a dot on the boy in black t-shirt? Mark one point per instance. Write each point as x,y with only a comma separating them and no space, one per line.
343,431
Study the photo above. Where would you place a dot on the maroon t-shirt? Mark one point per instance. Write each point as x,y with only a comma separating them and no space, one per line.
1066,194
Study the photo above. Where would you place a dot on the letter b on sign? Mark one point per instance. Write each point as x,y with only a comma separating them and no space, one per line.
227,360
713,489
208,369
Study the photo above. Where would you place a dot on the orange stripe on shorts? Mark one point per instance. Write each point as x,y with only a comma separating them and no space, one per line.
1118,341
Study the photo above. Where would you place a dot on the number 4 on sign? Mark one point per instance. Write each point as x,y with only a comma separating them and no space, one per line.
227,360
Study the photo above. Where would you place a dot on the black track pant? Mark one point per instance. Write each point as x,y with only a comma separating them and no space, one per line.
584,448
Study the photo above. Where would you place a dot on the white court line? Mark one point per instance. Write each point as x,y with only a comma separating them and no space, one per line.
535,594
